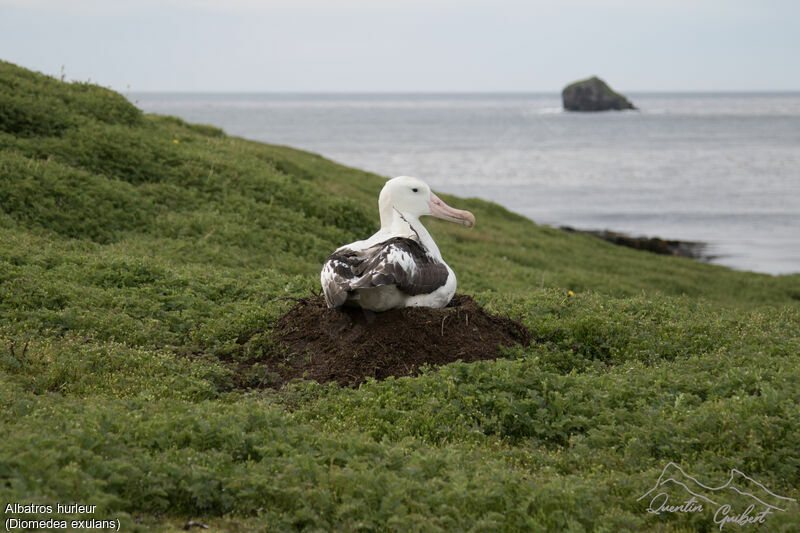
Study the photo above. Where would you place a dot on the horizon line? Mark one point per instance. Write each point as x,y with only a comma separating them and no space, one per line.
447,92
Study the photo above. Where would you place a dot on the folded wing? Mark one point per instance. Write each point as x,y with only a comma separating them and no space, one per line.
399,261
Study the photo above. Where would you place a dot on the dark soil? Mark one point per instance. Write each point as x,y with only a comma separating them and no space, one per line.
350,344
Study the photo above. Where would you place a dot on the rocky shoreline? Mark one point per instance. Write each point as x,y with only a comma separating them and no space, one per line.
656,245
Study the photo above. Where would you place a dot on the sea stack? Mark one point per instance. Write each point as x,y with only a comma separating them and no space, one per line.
593,95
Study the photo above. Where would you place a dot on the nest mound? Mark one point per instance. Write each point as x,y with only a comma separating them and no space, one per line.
348,345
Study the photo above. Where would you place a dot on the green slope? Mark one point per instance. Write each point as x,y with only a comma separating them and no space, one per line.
141,257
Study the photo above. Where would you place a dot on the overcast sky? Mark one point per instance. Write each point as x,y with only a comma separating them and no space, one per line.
416,45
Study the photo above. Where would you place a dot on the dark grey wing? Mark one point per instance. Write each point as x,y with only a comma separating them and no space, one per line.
401,262
338,271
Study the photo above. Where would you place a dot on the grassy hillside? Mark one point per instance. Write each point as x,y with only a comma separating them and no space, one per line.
141,257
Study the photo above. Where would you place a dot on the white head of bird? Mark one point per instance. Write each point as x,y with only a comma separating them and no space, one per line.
412,198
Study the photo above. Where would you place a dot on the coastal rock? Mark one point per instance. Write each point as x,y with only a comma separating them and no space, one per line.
593,95
656,245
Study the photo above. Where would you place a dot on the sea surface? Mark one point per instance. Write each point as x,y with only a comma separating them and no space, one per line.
718,168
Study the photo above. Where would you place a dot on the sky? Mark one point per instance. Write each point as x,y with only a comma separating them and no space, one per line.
407,46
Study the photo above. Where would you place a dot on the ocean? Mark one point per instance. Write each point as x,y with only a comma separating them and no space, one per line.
723,169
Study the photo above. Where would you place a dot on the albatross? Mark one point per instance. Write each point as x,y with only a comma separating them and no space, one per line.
400,265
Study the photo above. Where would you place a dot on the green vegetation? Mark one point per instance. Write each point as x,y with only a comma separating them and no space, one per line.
141,257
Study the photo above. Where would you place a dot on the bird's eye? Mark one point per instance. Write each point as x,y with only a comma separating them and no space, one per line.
415,190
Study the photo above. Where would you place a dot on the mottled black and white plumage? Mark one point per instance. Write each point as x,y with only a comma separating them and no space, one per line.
399,261
399,266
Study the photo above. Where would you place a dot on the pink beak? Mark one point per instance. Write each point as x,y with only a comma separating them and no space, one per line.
439,209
